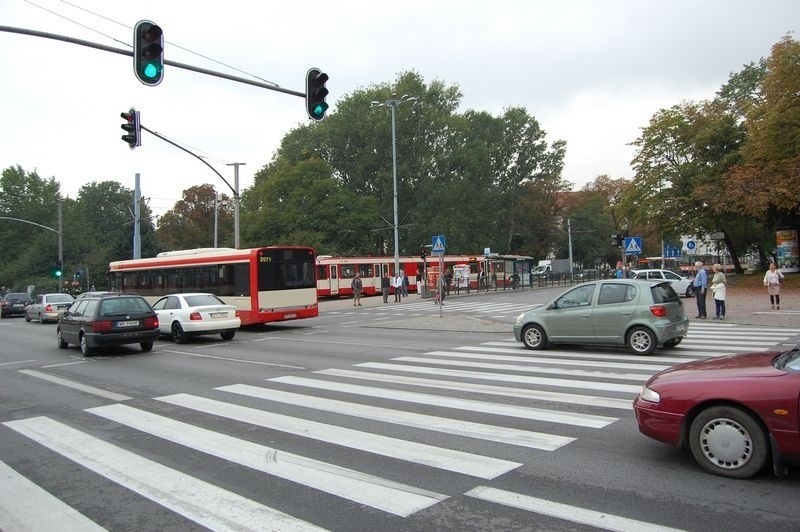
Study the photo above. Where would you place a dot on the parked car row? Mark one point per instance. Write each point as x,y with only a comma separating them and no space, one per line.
101,319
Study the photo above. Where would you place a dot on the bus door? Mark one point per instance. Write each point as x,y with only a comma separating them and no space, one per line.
334,280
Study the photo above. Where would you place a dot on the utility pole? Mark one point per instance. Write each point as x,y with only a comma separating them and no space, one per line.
236,203
137,236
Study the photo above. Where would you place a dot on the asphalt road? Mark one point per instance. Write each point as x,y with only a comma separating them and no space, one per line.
326,423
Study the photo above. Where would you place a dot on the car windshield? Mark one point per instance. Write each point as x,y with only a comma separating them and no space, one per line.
788,360
123,305
663,293
203,299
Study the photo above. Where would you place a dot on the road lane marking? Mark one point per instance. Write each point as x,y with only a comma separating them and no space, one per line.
382,494
543,360
420,453
17,362
469,429
26,506
524,393
195,499
507,377
257,362
636,377
523,412
76,385
601,520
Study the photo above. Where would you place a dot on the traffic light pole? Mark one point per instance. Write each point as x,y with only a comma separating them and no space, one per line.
121,51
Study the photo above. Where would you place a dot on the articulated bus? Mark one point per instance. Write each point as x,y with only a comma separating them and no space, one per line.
335,274
267,284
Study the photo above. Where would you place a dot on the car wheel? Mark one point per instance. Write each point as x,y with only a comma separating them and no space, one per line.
61,343
27,317
673,342
533,337
642,341
690,291
146,346
228,335
728,442
178,335
85,349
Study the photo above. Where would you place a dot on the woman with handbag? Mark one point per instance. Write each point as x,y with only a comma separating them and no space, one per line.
772,280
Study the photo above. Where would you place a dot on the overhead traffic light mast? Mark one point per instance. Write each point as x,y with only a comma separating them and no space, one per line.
148,52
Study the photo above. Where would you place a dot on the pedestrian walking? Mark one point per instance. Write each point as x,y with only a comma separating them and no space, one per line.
397,284
405,283
719,287
772,280
700,284
385,284
357,285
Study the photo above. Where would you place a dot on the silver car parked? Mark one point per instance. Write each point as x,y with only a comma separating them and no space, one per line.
641,315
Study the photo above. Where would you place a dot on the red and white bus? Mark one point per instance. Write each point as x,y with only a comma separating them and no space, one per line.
267,284
335,274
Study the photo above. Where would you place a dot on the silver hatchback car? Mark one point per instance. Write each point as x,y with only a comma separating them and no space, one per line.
640,314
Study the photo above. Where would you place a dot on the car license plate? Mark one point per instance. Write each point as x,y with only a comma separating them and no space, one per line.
218,314
131,323
289,316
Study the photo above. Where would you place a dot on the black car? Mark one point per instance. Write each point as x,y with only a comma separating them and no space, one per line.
108,320
14,303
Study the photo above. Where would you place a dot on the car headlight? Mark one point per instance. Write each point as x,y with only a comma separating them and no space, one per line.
651,396
519,318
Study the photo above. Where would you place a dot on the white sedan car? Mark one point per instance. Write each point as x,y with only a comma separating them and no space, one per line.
184,315
682,285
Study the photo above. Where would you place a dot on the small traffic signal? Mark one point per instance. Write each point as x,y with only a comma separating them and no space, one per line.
132,127
316,93
58,270
616,240
148,52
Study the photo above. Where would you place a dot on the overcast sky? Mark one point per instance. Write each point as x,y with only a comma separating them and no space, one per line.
596,71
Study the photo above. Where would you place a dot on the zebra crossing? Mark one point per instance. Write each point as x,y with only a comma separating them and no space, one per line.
488,309
388,410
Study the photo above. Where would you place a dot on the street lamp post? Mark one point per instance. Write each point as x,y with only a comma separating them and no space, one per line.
392,104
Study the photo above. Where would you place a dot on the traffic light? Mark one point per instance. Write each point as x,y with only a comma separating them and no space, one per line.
616,240
423,253
148,52
133,128
58,270
316,93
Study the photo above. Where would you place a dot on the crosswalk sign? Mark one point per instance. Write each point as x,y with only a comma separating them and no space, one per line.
438,244
633,245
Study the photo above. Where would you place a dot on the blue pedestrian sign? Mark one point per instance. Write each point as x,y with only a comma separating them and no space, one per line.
438,244
633,245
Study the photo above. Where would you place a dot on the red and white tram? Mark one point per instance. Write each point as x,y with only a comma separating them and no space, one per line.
335,274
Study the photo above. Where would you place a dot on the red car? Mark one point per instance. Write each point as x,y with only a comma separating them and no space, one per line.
735,412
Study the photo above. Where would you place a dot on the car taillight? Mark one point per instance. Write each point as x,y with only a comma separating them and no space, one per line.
194,316
659,311
151,322
102,326
48,308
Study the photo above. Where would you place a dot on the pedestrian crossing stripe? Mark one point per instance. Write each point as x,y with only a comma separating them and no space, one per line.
633,247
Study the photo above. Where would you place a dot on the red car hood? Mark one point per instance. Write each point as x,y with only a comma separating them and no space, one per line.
727,367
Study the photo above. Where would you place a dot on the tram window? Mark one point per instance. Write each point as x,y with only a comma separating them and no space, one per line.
348,271
365,270
322,272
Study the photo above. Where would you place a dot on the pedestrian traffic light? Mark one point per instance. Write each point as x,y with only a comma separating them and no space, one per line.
616,240
58,271
148,52
423,253
132,127
316,93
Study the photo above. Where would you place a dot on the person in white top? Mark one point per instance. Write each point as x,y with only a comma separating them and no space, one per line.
397,284
718,288
772,280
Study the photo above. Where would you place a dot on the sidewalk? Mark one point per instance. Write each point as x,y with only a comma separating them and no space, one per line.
744,305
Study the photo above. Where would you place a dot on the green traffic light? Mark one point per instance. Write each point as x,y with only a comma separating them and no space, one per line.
319,109
58,273
150,70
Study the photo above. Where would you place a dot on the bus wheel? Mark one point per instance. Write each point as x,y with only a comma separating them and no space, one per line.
178,336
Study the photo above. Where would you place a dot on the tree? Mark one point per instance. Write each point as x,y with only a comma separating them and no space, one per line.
190,224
